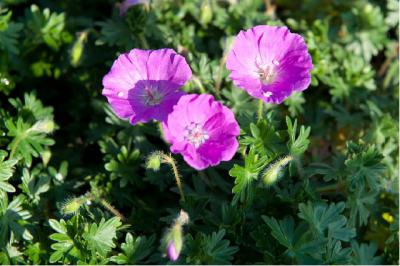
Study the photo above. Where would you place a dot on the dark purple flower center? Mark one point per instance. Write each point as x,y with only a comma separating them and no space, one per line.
151,95
195,134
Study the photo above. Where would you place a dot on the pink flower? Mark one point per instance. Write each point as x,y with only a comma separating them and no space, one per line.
145,84
171,251
270,63
202,130
125,5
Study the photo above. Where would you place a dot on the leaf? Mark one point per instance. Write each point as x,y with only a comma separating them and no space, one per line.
264,138
34,185
326,220
124,166
66,249
360,204
135,250
10,216
333,254
6,171
210,249
27,140
365,165
45,27
294,103
115,32
9,32
364,254
100,237
297,144
31,108
294,238
245,176
283,231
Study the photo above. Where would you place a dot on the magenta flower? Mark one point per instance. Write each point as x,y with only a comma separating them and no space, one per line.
125,5
171,251
145,84
270,63
202,130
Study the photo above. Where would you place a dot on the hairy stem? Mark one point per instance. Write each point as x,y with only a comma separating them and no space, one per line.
112,209
169,160
108,206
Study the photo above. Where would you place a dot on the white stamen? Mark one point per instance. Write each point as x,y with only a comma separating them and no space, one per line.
120,94
275,62
195,134
267,94
266,72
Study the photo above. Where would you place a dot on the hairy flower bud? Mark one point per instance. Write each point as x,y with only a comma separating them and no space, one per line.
73,205
154,161
273,171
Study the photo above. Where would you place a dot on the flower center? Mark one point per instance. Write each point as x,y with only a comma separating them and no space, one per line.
267,72
195,134
151,95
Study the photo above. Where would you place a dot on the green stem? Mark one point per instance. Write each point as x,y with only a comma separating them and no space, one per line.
14,148
143,41
260,110
332,188
218,81
198,82
160,127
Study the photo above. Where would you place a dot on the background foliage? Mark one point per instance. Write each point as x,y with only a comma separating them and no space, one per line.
65,157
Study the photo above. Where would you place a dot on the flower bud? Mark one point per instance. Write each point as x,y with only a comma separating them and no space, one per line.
43,126
272,173
206,13
174,242
154,161
171,251
77,49
174,237
72,206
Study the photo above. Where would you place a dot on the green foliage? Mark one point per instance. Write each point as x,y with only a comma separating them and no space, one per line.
100,237
365,254
12,216
326,220
210,249
45,27
314,181
297,144
9,32
6,171
245,176
28,140
135,250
